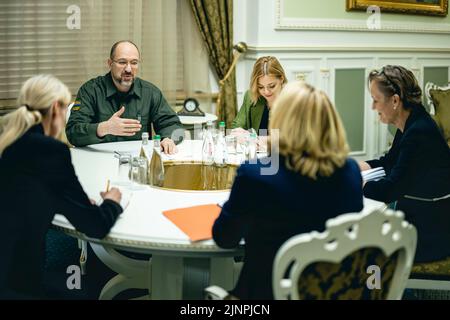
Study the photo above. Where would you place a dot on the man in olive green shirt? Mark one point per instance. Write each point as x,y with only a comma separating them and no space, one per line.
120,106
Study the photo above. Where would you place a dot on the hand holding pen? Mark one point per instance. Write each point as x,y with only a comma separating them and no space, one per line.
114,194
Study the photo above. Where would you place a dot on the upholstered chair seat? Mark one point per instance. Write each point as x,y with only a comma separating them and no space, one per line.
439,102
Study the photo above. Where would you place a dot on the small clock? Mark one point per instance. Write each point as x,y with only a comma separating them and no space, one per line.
191,108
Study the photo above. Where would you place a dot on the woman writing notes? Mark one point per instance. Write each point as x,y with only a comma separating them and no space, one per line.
266,82
418,164
38,181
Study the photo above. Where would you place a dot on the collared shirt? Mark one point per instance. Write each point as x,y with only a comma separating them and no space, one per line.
98,99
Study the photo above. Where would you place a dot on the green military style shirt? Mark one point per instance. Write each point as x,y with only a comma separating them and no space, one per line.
98,99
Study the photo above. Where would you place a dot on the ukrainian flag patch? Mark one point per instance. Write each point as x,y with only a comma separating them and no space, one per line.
76,106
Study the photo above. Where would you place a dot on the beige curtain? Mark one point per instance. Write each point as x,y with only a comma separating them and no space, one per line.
215,21
37,39
195,57
172,52
159,45
164,31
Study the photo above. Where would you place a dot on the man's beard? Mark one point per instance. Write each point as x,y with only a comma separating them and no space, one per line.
126,83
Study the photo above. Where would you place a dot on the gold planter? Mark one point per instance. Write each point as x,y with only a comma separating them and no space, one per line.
191,175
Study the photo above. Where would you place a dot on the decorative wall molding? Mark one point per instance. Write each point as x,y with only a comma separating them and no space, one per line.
325,48
325,79
284,23
318,65
303,74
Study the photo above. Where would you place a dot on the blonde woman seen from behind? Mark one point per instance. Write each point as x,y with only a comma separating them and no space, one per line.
38,181
266,210
311,135
41,100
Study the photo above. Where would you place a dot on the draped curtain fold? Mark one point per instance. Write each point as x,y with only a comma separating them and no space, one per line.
40,37
160,46
215,21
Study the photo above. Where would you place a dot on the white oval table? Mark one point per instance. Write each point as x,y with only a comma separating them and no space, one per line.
178,268
177,264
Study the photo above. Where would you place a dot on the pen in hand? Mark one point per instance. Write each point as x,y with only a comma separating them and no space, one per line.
113,194
101,193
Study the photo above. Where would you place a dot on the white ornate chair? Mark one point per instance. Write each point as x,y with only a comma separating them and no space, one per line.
358,256
352,247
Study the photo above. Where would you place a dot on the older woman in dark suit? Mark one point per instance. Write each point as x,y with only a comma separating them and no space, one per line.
418,163
38,181
315,181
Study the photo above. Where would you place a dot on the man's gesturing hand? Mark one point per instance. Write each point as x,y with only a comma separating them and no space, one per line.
118,126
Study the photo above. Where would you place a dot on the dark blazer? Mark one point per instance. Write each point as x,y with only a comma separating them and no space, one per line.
37,181
266,210
418,165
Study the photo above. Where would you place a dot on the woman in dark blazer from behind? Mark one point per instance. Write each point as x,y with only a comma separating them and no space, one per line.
417,165
38,181
315,181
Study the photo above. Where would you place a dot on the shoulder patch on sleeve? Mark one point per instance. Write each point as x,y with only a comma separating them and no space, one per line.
76,106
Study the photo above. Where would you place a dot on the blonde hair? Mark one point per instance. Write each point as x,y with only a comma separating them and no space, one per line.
311,135
265,66
35,99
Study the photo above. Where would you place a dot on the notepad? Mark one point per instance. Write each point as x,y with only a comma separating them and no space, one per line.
196,222
374,174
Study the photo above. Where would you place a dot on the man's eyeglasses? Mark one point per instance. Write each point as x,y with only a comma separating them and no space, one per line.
124,63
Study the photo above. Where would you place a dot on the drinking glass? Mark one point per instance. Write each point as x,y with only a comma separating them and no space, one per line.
123,175
231,144
139,168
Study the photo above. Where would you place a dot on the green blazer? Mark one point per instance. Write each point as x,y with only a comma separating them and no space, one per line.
249,115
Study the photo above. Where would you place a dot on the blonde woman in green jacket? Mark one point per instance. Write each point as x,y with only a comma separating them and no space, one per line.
266,82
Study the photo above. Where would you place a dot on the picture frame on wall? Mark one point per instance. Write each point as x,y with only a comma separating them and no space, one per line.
420,7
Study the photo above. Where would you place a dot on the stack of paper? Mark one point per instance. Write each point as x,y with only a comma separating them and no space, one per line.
373,174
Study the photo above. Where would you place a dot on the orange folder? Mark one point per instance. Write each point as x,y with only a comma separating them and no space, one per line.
196,221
